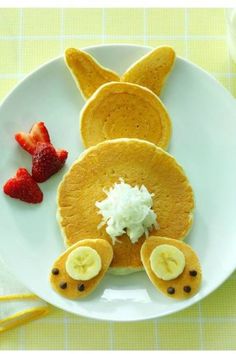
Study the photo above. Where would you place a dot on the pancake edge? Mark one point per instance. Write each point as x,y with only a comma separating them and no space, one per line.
122,271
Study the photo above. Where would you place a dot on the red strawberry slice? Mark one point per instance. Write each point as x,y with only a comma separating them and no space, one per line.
46,161
23,187
40,133
62,155
28,141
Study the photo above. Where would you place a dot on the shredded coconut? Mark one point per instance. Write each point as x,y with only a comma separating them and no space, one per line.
128,210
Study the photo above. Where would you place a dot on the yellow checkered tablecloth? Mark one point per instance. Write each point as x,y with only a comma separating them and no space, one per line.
30,37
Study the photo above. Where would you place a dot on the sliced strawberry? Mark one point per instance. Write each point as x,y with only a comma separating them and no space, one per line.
23,187
28,141
62,155
40,133
46,161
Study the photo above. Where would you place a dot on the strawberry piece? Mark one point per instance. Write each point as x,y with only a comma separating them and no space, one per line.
40,133
62,155
28,141
46,161
25,141
23,187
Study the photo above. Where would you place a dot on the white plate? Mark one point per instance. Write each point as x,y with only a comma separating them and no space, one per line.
204,142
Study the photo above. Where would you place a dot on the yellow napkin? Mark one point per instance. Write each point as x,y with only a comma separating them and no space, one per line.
17,304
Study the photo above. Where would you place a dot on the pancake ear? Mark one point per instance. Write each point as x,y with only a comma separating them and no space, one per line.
87,72
152,70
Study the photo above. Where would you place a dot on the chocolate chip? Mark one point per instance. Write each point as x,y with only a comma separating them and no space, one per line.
187,289
55,271
81,287
193,273
63,285
171,290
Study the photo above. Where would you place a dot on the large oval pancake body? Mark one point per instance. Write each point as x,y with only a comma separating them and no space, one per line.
124,110
137,162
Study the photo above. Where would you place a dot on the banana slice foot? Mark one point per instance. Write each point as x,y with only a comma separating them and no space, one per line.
172,266
79,270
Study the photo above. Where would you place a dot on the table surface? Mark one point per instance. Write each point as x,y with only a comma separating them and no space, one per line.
30,37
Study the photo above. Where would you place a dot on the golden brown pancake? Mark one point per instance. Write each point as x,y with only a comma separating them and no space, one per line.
152,70
137,162
187,283
87,72
124,110
75,289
